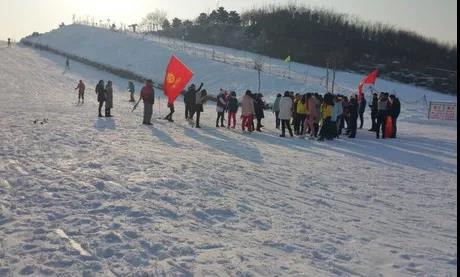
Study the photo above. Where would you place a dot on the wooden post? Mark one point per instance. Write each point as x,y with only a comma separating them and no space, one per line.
333,80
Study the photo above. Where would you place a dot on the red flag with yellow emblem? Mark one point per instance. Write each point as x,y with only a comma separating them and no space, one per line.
177,77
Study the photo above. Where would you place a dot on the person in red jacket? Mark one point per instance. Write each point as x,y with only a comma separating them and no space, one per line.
148,96
81,92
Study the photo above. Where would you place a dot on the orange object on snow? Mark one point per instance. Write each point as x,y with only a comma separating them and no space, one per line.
389,127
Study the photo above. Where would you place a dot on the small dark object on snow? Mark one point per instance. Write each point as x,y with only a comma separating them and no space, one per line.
44,121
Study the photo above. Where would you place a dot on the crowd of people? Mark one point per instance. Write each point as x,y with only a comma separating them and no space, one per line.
321,117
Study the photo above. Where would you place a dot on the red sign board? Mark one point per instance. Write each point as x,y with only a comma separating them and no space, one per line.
443,111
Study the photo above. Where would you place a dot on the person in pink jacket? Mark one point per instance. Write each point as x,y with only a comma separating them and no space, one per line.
247,111
312,114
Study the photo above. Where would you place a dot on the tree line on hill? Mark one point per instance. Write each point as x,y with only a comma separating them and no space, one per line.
318,37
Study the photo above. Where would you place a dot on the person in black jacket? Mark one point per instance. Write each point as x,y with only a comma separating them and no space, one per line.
362,110
259,106
382,114
232,109
394,112
201,97
100,91
374,111
190,101
353,116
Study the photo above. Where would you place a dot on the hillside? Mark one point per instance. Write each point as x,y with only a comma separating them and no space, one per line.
325,38
149,56
83,196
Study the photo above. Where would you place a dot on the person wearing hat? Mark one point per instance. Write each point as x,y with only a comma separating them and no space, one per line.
148,96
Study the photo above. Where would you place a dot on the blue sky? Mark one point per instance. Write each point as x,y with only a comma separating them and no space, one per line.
431,18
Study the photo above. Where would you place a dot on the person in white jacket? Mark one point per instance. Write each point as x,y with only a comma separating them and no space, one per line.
338,111
221,108
286,106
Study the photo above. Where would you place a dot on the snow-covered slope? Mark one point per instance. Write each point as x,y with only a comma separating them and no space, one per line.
149,57
82,196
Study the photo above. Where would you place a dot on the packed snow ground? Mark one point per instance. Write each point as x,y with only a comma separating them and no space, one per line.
149,57
83,196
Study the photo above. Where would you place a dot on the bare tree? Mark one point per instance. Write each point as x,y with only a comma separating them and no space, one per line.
154,20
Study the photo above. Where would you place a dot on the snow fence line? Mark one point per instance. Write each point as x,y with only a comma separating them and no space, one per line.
123,73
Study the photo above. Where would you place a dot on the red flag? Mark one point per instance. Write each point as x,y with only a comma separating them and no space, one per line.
369,80
177,77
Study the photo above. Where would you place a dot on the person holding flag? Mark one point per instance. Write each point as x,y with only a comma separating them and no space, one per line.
176,78
171,112
369,80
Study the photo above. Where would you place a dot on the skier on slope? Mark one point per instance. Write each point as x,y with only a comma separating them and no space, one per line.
81,91
148,96
100,91
67,64
132,90
9,42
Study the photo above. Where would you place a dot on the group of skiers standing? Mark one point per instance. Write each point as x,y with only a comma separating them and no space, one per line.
252,106
320,117
326,117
